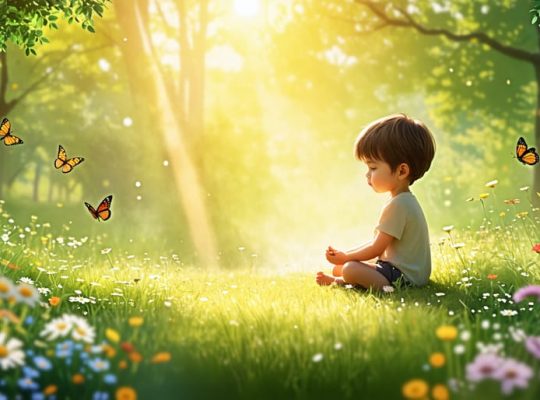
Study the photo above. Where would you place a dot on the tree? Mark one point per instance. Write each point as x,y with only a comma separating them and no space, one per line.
461,23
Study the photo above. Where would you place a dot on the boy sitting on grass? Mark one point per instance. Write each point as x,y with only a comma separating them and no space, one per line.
397,151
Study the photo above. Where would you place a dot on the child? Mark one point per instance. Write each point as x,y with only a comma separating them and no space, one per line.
397,151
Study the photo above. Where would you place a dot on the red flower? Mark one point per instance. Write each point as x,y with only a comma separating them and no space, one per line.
536,248
127,347
492,277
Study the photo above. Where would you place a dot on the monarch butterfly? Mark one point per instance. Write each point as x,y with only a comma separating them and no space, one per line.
63,162
527,156
103,211
6,136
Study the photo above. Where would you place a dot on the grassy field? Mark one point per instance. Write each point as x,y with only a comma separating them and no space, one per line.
152,327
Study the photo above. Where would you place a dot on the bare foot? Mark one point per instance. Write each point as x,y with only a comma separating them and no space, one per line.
337,270
326,280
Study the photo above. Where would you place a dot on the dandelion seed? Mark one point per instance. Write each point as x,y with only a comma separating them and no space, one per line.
317,357
458,245
439,294
470,199
448,228
524,188
165,163
338,346
492,184
127,122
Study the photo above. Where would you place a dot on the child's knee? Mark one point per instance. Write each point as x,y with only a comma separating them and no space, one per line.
348,270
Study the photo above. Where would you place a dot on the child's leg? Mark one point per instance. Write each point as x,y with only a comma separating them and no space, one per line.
364,274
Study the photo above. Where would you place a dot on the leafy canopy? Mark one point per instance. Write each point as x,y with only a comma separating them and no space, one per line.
23,21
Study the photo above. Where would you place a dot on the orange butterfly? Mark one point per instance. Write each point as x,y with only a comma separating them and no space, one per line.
103,211
527,156
6,136
67,164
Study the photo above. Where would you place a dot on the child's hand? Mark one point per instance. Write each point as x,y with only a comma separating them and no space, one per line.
335,256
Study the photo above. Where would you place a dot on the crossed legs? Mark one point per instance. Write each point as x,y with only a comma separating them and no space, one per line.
354,273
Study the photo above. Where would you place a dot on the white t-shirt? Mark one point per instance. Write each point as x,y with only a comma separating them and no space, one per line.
402,218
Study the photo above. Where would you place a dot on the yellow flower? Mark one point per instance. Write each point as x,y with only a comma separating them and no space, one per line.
126,393
50,390
440,392
78,379
112,335
162,357
437,360
122,364
484,195
135,321
415,389
446,332
502,214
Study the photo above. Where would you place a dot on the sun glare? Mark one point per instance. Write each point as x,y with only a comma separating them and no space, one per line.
246,8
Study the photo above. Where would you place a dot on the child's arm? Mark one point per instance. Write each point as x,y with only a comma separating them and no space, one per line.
366,252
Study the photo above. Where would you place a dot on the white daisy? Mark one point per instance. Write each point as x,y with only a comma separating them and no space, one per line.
27,294
11,354
58,327
7,289
82,331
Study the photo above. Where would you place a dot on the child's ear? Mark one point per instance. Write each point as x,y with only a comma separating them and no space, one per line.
403,170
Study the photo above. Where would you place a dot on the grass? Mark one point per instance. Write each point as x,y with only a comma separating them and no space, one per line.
272,334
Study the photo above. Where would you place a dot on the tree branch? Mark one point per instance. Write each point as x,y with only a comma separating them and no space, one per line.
11,104
409,22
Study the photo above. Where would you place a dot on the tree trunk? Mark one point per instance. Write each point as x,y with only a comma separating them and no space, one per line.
131,19
37,179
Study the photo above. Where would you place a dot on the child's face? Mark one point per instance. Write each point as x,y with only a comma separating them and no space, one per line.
380,177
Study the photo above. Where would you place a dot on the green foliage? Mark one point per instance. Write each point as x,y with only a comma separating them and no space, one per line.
535,11
24,22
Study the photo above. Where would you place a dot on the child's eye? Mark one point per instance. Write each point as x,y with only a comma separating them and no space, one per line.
372,168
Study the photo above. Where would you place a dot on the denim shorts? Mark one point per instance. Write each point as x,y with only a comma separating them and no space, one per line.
392,274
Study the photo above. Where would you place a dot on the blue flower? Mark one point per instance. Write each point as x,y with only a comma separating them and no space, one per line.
64,349
29,320
3,396
30,372
110,379
42,363
100,396
38,396
27,384
98,365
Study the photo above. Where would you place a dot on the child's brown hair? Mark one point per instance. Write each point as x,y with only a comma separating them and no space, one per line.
397,139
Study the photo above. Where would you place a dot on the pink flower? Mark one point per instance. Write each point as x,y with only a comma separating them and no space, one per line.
531,290
536,248
483,367
532,343
513,373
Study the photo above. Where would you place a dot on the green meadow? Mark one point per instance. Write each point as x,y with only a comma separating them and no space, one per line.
265,333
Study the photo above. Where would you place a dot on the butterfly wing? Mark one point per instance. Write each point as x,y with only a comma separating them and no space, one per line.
530,157
60,158
6,136
92,210
71,163
103,210
521,148
5,128
10,140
